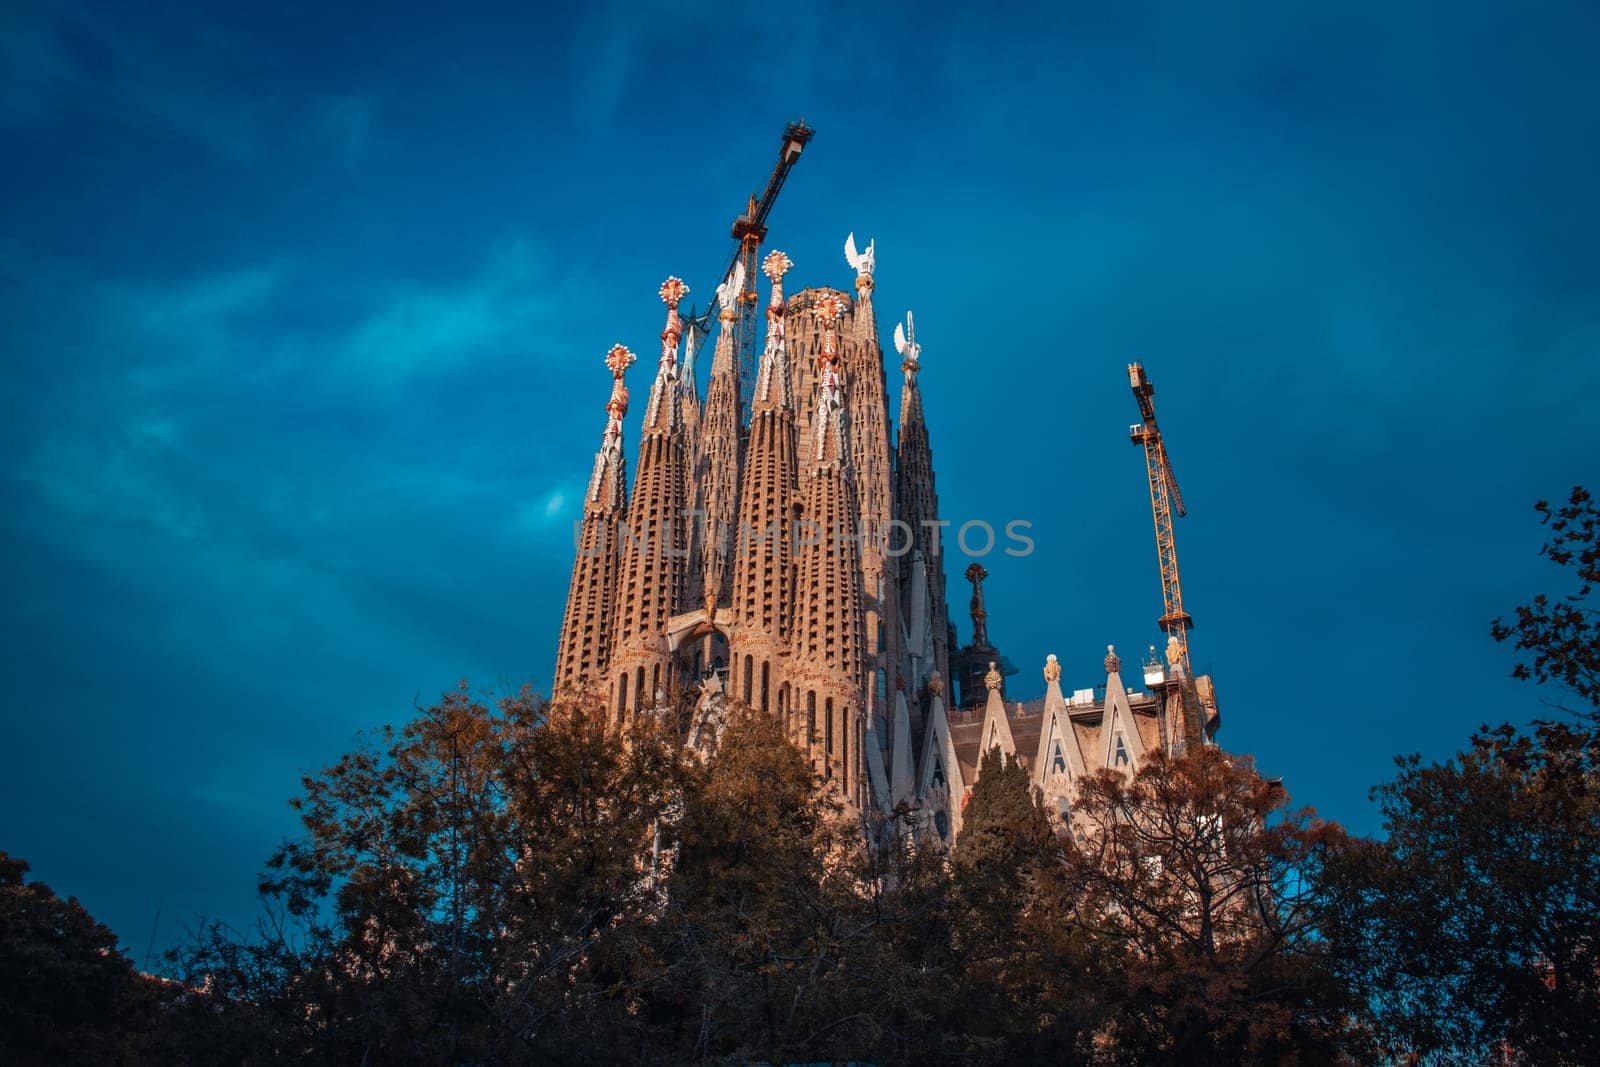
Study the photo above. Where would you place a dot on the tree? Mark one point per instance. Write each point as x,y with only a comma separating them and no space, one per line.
67,991
1563,633
1199,895
752,932
1020,967
1476,925
468,887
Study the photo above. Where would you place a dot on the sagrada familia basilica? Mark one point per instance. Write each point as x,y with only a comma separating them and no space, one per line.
793,562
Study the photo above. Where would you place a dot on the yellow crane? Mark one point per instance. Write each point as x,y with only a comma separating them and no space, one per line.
1166,503
749,230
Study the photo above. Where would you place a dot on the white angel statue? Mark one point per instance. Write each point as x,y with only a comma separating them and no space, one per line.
905,341
861,261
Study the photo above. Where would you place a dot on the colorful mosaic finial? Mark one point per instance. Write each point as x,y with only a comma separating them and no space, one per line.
619,359
672,291
829,309
775,266
1113,662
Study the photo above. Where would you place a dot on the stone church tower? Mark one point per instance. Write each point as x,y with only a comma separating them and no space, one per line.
795,565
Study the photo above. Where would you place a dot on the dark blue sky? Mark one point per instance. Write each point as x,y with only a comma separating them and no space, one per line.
303,316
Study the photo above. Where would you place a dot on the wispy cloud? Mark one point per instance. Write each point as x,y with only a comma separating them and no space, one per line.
417,331
345,123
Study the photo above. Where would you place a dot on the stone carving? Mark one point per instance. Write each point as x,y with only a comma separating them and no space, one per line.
729,292
863,262
905,342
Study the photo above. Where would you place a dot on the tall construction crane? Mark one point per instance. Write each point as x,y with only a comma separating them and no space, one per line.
1166,503
749,230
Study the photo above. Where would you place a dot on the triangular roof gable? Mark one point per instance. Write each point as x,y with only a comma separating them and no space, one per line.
1118,721
1057,728
996,728
936,744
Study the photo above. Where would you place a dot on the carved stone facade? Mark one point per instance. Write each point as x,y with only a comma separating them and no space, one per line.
797,565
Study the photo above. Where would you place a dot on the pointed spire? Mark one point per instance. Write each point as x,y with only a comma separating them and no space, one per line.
582,654
831,446
720,457
829,629
654,550
665,412
773,384
976,573
917,505
871,458
763,578
694,338
607,486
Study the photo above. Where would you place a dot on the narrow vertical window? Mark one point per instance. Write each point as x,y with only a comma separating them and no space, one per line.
827,726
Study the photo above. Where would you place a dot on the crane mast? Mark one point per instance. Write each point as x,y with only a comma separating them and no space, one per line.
1166,504
749,230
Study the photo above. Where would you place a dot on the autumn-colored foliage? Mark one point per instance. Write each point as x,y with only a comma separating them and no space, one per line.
519,880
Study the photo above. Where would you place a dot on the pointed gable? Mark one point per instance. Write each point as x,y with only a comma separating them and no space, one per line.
1120,743
996,728
1059,761
941,771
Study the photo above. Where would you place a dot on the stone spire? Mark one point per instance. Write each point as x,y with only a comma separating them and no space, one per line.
872,468
720,453
827,642
654,546
762,578
917,501
976,573
581,657
695,332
